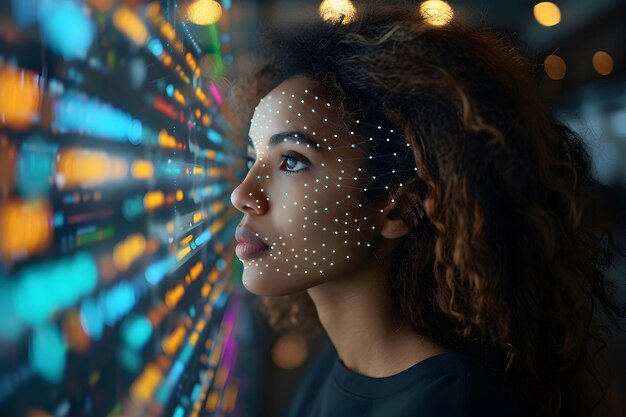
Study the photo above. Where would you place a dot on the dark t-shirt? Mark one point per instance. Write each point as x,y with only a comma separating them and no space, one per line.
447,385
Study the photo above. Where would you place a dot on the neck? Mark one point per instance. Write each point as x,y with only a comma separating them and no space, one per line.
358,315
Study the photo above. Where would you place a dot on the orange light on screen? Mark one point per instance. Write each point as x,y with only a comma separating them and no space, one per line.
74,333
130,24
153,200
217,206
173,296
153,10
168,31
142,169
7,166
179,195
191,61
218,247
78,167
166,140
20,97
127,251
555,67
230,398
25,228
167,59
602,63
198,216
143,388
179,97
171,343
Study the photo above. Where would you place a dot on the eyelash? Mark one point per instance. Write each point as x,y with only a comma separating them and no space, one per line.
284,158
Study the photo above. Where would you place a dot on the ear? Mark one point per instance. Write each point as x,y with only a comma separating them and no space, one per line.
393,227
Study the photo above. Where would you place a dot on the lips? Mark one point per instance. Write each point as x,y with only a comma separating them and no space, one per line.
249,245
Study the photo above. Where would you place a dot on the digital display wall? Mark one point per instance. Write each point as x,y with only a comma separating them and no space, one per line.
117,269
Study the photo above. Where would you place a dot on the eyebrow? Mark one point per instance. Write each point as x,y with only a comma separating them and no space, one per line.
295,137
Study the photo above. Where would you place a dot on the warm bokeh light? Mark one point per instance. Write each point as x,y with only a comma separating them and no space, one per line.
166,140
204,12
436,12
289,351
88,168
602,63
547,13
153,200
73,332
128,250
142,169
25,228
336,11
19,97
129,23
555,67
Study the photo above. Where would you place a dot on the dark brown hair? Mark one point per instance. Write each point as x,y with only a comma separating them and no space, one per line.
505,259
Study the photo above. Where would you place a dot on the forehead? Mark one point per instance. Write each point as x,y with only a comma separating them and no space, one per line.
299,104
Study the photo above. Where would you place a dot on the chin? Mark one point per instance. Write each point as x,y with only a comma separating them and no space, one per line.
276,285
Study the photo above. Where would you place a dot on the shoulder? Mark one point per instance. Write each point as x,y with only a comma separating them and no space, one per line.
459,385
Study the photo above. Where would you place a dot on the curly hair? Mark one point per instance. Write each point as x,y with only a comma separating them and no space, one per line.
506,257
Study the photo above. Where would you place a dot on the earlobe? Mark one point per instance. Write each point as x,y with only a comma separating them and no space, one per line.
393,227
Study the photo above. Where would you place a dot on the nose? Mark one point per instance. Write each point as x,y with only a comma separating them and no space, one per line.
249,197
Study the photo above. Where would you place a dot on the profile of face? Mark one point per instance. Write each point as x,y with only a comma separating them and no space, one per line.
306,220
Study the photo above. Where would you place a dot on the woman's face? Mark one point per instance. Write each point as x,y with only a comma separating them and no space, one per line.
304,194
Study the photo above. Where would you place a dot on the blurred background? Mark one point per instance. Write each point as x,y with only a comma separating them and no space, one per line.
120,294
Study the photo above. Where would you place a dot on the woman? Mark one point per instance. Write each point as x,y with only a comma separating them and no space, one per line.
409,182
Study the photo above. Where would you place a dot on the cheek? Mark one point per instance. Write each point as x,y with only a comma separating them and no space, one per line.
321,226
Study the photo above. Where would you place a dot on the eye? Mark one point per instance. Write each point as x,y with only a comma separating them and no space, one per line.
249,162
293,163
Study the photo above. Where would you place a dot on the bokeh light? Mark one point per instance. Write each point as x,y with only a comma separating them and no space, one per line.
289,351
336,11
436,12
20,97
129,23
547,13
204,12
25,228
555,67
602,62
66,27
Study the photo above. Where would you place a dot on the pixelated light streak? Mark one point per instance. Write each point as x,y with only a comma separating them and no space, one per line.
97,235
77,113
90,216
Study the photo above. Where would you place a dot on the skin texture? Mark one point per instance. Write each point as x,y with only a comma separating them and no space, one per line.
323,237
